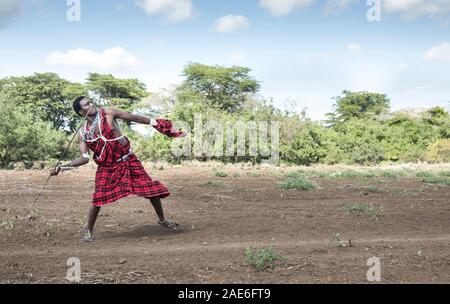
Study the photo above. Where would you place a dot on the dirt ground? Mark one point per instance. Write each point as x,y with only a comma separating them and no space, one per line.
411,236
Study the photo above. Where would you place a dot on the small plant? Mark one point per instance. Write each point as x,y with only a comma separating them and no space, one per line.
214,184
236,175
372,189
7,223
437,180
369,174
297,183
392,174
366,209
254,174
444,173
339,243
262,259
296,174
424,174
220,174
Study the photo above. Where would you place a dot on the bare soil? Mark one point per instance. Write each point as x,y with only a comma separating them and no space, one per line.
411,236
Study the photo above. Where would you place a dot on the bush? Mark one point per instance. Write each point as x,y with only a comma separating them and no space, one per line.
22,140
297,183
262,259
439,151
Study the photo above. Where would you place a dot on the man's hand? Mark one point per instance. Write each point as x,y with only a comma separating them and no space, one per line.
55,172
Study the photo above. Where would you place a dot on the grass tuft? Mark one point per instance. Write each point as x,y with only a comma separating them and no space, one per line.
220,174
262,259
297,183
366,209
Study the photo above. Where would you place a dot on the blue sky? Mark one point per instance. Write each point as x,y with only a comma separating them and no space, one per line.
303,50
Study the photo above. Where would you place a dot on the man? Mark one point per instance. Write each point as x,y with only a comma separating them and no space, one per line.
119,172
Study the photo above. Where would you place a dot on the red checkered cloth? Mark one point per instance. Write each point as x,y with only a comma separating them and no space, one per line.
115,180
165,127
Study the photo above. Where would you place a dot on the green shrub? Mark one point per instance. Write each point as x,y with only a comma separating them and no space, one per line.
262,259
220,174
444,173
439,152
366,209
437,180
297,183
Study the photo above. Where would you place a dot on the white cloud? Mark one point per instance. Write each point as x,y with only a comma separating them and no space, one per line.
353,48
111,59
279,8
174,10
438,53
8,9
411,9
231,23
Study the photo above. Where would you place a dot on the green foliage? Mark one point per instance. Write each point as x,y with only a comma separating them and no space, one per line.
307,147
366,209
262,259
437,180
220,174
424,174
38,118
444,173
46,97
7,222
225,87
439,151
22,140
372,189
358,105
337,241
297,183
120,93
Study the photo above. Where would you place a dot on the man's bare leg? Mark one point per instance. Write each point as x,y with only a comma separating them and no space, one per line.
92,218
156,202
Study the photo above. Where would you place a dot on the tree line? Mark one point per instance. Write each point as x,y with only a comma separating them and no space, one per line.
37,119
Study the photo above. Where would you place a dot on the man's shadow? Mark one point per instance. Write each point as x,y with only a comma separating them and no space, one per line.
149,231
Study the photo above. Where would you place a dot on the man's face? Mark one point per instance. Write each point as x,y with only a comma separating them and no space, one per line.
87,105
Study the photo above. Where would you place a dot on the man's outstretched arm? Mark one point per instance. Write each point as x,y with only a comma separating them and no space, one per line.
80,161
163,126
130,117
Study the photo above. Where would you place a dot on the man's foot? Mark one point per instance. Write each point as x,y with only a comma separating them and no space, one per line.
87,236
170,225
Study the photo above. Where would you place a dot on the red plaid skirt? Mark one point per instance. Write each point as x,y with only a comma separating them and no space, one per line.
123,179
115,180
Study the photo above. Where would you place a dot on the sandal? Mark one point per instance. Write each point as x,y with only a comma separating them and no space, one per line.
170,225
87,237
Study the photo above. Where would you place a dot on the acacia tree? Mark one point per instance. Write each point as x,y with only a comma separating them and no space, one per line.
224,87
358,105
46,96
121,93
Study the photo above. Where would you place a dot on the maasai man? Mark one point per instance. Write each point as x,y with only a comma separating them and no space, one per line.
119,172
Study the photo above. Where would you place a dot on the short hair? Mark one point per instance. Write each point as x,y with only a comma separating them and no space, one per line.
76,104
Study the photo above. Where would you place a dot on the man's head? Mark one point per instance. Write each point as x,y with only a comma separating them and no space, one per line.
82,104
